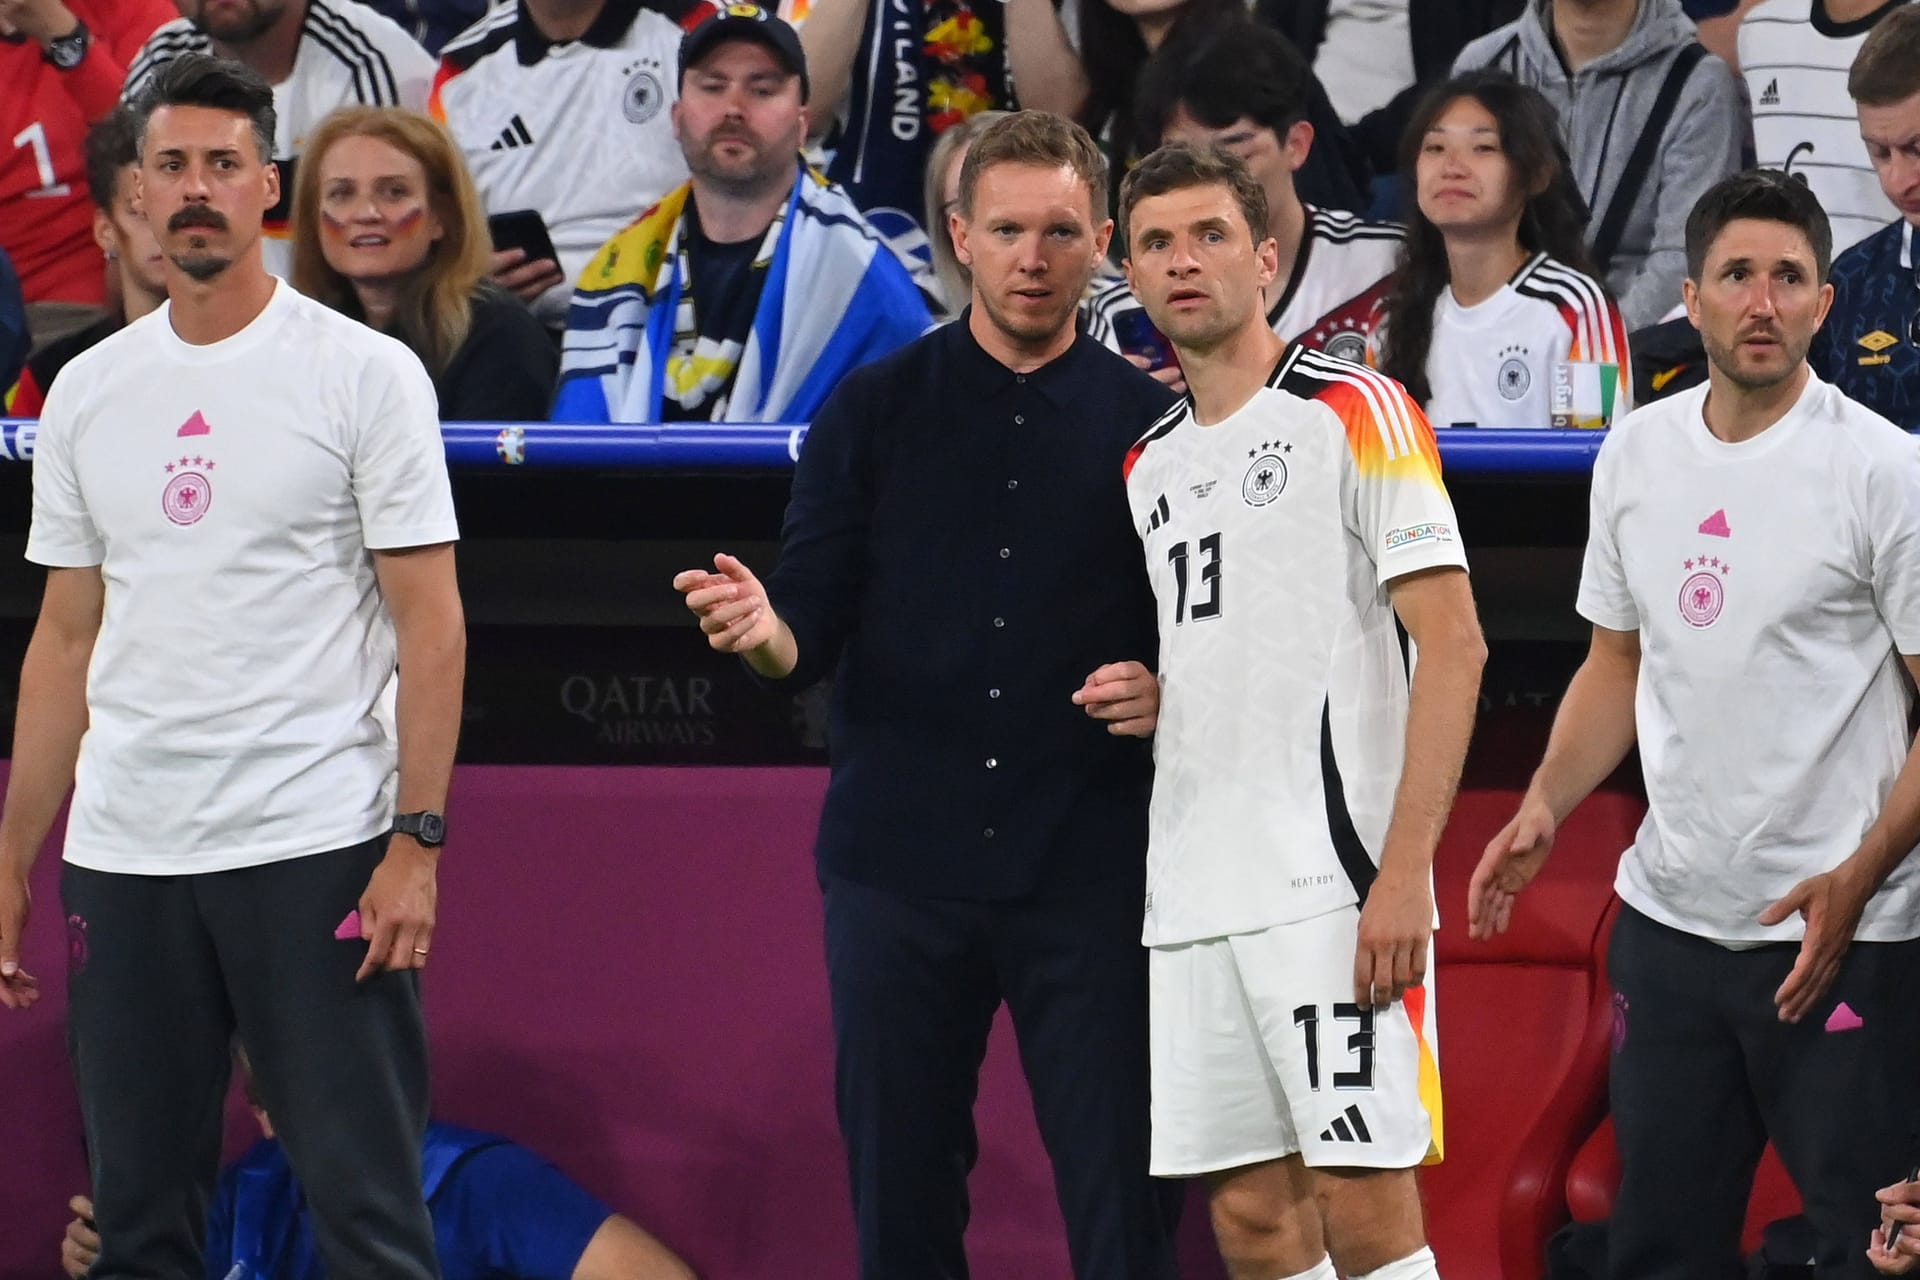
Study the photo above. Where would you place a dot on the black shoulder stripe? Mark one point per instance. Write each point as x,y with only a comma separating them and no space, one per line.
373,78
482,38
481,42
1283,368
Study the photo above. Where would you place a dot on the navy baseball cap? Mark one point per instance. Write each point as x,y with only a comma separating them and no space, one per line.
743,21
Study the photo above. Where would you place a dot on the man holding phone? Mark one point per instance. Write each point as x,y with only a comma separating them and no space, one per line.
749,292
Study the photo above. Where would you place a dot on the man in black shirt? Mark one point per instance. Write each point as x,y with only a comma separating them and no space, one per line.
958,553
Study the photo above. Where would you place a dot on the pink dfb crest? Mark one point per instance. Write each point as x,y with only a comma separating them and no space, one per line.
186,498
76,943
1704,593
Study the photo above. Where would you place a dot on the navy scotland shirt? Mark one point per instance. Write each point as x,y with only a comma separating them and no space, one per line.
1870,345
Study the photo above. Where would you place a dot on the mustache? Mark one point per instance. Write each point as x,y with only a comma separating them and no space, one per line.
196,215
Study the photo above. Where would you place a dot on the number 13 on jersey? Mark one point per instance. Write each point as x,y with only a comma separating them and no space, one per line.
1178,556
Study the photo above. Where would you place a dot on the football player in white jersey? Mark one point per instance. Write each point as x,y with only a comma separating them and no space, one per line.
1291,510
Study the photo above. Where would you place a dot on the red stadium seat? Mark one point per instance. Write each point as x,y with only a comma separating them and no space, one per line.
1525,1025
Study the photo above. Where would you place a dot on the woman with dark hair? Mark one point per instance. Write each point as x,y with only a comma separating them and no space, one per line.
1496,318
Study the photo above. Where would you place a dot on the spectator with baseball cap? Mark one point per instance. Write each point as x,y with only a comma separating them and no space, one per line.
746,293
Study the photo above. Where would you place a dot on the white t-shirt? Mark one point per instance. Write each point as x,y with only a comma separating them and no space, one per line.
231,494
348,54
1332,299
1270,538
1366,56
1548,349
1795,64
580,131
1771,708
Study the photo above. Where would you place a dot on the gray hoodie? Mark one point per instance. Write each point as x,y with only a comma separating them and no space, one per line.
1603,109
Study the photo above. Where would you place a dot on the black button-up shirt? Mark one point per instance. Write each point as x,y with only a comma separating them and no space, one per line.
958,551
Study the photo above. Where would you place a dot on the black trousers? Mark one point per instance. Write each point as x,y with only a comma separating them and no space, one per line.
915,984
1704,1073
165,970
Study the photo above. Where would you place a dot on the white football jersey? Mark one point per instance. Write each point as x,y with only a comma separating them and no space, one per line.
1332,300
1270,538
580,131
349,55
1795,61
1548,349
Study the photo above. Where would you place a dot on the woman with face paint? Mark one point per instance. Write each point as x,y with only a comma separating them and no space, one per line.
387,228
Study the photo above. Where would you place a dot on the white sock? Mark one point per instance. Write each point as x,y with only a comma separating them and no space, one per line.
1321,1270
1418,1265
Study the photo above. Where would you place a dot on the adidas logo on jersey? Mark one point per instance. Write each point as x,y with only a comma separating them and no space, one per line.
1770,96
1161,514
1347,1128
514,135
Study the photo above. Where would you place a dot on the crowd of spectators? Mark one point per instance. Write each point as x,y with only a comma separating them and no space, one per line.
1505,252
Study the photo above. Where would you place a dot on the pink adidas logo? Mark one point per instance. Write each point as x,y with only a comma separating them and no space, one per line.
194,426
1714,526
1843,1018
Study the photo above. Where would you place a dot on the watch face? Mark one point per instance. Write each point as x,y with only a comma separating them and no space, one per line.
433,828
66,54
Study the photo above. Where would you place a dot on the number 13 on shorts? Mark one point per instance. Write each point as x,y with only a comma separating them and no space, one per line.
1259,1051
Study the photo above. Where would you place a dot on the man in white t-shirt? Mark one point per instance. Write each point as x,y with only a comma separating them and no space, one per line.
1765,961
1291,511
1794,55
319,56
242,504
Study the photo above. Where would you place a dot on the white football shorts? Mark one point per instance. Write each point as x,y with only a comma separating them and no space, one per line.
1259,1051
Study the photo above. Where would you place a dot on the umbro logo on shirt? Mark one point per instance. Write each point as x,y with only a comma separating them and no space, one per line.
1349,1127
514,135
1770,96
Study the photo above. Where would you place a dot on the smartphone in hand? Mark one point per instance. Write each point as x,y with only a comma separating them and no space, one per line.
525,230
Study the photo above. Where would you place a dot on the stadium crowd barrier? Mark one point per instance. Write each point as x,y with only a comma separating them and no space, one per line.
755,445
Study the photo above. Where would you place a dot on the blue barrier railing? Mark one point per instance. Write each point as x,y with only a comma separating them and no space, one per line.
680,445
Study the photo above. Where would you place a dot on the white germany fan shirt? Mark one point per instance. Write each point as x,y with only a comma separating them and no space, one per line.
1546,349
1270,538
230,494
579,130
1775,584
1795,61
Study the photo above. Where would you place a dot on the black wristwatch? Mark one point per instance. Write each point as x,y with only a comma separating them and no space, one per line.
66,52
427,827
